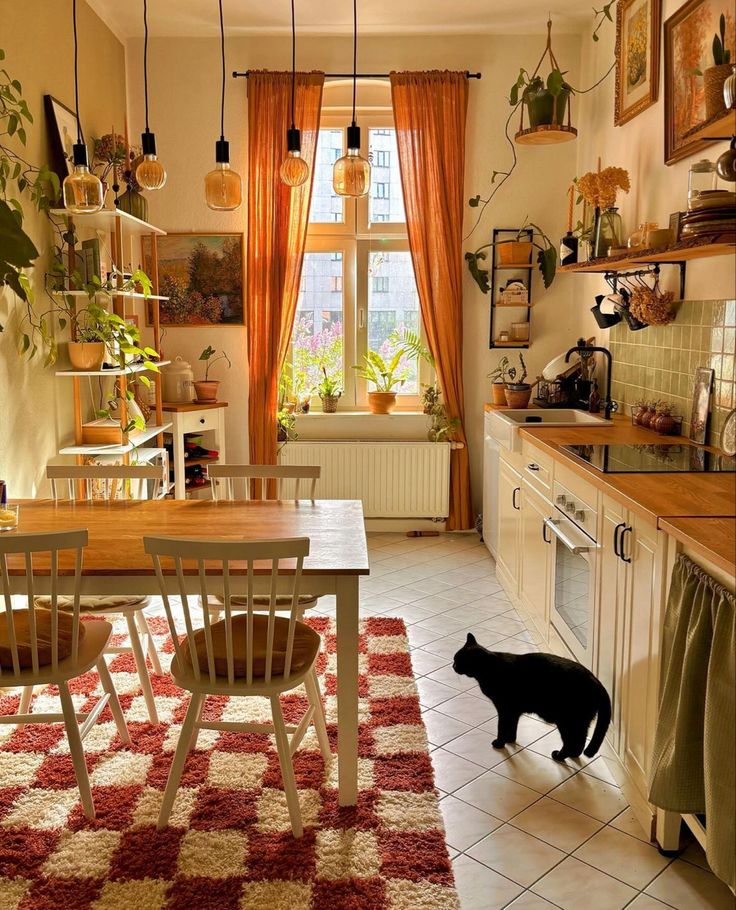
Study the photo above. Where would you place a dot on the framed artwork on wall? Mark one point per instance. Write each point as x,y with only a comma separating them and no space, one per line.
62,125
688,52
202,275
638,25
701,400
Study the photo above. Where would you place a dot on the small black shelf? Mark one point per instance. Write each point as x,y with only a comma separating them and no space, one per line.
526,269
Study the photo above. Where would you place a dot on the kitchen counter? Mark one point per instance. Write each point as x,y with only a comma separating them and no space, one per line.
656,497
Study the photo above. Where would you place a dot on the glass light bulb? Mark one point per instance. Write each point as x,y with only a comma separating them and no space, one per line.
294,170
351,175
82,191
150,173
223,188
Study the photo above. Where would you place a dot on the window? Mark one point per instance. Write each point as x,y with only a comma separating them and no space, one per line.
358,287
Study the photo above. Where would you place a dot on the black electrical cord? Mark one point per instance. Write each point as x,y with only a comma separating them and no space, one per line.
293,61
355,52
222,100
76,76
145,57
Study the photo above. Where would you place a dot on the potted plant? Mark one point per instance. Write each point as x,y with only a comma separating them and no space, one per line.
384,376
714,78
498,382
545,102
517,391
329,392
546,255
206,389
99,333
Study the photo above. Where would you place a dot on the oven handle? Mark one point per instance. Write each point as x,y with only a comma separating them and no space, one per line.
575,548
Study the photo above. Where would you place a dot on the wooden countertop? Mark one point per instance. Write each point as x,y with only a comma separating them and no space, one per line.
715,538
709,499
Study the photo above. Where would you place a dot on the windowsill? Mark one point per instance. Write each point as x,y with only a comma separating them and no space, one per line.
358,413
352,425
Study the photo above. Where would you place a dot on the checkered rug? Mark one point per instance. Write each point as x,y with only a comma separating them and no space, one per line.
229,844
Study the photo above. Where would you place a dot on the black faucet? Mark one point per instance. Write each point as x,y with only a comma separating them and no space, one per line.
589,348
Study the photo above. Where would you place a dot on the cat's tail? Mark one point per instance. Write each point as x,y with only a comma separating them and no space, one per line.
601,724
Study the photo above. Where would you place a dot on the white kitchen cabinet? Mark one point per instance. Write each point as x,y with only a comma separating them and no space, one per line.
509,512
535,558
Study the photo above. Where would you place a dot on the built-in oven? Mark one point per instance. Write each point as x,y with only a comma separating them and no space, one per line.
572,531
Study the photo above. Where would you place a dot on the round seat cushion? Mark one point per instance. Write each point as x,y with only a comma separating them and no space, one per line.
91,604
283,601
306,646
22,627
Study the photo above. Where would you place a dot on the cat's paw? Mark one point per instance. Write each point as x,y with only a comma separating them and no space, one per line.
498,744
558,755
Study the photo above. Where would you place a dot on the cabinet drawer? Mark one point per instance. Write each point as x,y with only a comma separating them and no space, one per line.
199,421
537,468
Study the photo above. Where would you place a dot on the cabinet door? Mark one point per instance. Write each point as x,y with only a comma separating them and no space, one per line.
507,543
535,556
642,631
609,610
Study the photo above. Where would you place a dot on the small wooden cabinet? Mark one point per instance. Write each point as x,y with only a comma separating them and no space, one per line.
509,514
196,418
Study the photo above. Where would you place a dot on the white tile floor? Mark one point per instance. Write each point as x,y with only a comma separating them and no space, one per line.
524,831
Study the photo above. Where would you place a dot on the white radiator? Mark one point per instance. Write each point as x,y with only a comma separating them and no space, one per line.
393,479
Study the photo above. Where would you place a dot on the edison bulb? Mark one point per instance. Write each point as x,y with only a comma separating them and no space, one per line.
223,188
294,170
351,175
82,190
150,173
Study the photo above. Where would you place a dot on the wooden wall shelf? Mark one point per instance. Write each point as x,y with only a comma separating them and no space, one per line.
680,252
723,127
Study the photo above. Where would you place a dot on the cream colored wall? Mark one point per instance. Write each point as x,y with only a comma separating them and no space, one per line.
184,85
35,407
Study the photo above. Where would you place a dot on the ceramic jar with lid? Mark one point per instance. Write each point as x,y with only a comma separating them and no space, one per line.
178,381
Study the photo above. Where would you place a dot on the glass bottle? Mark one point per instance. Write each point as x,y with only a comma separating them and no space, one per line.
609,232
701,178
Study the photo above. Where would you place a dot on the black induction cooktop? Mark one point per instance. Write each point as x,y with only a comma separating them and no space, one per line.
652,459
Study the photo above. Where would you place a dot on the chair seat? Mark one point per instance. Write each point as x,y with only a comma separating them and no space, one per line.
91,604
22,629
283,601
92,644
306,646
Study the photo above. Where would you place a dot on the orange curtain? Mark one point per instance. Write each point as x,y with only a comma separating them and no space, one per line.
429,111
277,231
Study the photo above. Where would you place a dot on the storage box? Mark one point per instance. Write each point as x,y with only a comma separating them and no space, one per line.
103,432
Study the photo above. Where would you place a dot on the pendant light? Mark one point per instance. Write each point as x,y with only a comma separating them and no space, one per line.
294,170
351,175
150,173
223,188
82,189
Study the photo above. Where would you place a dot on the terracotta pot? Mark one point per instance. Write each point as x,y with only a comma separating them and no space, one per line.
518,397
714,79
381,402
637,414
664,424
498,390
647,417
515,252
206,389
86,355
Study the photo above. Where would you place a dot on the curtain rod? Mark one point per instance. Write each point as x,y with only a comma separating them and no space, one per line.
237,75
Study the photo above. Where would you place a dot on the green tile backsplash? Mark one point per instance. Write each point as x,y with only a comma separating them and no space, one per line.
660,362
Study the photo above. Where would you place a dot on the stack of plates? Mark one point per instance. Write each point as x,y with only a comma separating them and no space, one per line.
711,213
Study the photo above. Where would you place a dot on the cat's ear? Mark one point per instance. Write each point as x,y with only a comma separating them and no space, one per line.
470,640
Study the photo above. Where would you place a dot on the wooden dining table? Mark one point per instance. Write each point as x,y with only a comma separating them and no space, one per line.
115,562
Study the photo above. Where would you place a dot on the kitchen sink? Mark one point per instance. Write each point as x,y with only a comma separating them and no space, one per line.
503,426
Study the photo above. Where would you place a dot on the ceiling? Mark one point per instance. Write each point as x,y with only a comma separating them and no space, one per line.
199,18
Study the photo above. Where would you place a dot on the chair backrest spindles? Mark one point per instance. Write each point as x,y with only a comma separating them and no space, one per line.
255,477
25,547
232,566
109,475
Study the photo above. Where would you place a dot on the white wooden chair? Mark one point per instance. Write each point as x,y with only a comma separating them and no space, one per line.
131,606
254,478
245,654
41,647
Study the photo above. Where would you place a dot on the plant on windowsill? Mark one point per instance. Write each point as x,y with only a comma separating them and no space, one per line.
329,392
206,389
384,376
285,417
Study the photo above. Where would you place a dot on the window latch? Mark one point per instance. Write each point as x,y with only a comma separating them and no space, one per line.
361,318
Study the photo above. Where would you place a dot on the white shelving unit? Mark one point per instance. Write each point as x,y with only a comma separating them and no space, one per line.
138,439
128,371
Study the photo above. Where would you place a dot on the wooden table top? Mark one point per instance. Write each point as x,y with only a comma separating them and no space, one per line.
335,528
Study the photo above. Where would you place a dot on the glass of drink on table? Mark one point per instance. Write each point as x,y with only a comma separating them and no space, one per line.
8,517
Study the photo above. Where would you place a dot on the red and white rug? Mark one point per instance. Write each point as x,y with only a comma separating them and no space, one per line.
229,844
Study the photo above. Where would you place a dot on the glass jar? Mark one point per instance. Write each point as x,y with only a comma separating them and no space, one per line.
701,178
638,238
609,232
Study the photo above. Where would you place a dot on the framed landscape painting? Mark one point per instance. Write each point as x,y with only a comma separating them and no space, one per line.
202,275
638,24
688,52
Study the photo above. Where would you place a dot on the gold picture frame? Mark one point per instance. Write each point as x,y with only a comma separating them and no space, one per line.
638,27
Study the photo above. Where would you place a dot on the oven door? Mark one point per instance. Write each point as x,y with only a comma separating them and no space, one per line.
573,586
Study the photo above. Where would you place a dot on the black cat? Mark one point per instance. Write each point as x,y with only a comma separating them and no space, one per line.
560,691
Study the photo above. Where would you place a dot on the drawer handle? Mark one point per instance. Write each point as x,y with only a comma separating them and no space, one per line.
616,532
533,467
627,530
544,533
203,420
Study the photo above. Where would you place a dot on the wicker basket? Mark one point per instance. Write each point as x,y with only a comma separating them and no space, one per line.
329,403
714,79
